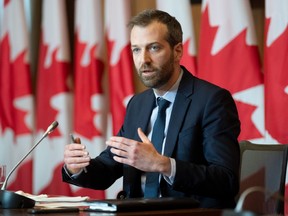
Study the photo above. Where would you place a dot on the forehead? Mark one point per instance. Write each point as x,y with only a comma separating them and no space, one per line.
154,32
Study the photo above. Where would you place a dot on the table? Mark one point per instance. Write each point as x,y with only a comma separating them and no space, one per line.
178,212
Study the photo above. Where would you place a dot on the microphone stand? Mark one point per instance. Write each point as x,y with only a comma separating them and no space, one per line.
12,200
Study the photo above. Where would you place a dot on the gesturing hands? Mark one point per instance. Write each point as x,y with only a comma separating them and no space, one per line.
141,155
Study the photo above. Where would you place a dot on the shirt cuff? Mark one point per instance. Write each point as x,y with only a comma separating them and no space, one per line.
170,179
72,176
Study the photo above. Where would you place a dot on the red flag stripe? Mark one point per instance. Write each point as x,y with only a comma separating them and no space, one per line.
16,102
89,112
53,99
120,59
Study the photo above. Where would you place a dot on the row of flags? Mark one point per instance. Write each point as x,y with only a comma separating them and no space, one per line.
73,90
70,91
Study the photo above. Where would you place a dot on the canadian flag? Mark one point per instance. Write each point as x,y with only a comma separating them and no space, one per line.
117,15
53,99
183,14
120,71
16,100
228,56
275,70
89,103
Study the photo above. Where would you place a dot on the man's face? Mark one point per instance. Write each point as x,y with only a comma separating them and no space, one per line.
153,56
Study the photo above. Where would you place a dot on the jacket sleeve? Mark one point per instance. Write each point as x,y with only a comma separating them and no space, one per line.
102,172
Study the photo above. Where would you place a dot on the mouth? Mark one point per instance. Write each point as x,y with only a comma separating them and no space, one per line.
147,72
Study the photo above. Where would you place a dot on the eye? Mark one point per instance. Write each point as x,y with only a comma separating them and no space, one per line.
135,50
154,47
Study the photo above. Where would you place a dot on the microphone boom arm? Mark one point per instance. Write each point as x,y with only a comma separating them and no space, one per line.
48,131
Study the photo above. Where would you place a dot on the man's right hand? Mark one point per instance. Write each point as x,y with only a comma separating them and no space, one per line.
76,157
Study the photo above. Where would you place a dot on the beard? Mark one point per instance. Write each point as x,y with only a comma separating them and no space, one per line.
160,75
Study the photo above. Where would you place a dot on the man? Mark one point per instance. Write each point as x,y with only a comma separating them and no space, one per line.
200,153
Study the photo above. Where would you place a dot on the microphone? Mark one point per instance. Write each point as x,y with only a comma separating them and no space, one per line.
9,200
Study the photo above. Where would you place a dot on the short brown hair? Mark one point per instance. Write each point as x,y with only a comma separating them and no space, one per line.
146,17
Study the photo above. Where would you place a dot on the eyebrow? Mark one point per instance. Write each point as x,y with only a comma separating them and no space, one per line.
150,44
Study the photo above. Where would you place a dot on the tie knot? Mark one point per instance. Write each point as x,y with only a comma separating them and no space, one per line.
162,103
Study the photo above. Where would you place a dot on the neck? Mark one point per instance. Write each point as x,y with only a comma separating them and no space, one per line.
162,90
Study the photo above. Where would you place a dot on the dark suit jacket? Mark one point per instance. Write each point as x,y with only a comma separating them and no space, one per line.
202,138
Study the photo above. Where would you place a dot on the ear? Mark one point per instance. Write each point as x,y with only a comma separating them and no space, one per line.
178,51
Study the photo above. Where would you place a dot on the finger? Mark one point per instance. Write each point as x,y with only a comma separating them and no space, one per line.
80,160
74,146
117,145
77,160
142,136
76,157
76,167
76,154
119,152
121,160
121,140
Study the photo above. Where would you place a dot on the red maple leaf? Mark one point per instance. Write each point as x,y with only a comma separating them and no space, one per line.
52,80
276,98
88,82
15,83
236,67
120,84
245,112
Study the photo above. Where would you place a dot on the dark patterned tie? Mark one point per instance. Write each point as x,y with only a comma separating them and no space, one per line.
152,179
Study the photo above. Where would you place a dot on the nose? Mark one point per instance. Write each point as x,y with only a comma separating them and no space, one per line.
145,57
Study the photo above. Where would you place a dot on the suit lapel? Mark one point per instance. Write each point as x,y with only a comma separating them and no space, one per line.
181,104
132,176
144,117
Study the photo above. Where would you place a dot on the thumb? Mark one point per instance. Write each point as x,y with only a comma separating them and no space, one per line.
142,136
